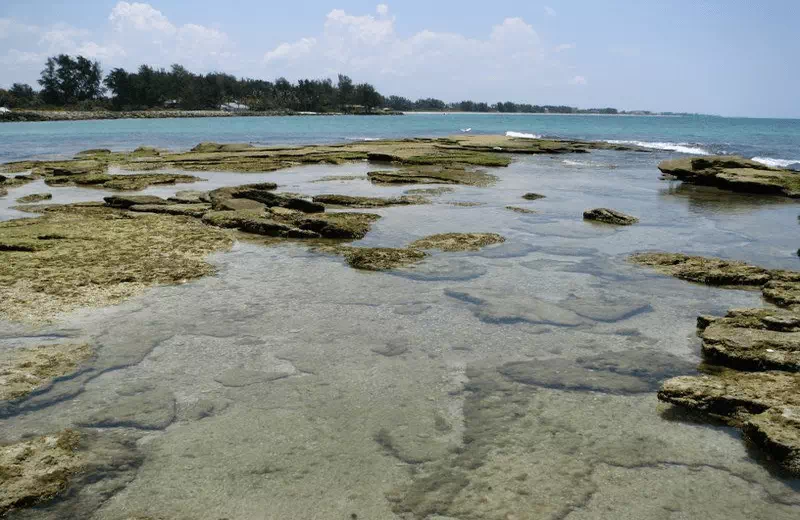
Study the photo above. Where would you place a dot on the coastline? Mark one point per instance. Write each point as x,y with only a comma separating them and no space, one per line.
23,116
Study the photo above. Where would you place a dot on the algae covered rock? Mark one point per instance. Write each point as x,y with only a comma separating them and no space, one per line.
255,222
126,201
238,205
25,370
34,198
524,211
711,271
209,147
433,175
37,470
368,202
376,258
333,225
95,255
190,197
735,174
458,241
609,216
263,194
189,210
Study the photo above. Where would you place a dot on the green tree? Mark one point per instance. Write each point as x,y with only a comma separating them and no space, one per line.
66,81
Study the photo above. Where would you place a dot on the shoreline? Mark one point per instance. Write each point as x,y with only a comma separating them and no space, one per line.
39,116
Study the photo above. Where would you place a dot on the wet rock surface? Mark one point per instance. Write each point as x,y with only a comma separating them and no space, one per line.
450,242
609,216
533,196
734,173
495,307
145,410
377,258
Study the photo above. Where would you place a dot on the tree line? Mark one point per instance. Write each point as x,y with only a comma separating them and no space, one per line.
79,83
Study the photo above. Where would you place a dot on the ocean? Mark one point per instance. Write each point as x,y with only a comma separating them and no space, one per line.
773,141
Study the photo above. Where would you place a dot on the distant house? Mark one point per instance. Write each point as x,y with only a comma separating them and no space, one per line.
234,107
4,110
171,103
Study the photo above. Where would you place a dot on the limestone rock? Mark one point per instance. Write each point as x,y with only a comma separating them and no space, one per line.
376,258
609,216
256,223
239,205
368,202
25,370
189,197
497,307
711,271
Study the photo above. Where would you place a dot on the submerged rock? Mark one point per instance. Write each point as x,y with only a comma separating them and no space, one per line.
496,307
609,216
605,309
524,211
147,410
368,202
239,377
766,405
735,174
35,197
458,241
25,370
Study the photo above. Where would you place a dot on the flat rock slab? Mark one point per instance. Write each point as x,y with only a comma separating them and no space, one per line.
368,202
753,339
189,197
148,410
766,405
605,309
239,205
188,210
240,377
711,271
34,198
609,216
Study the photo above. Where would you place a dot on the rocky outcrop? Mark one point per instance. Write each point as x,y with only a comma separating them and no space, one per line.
255,222
34,198
458,241
735,174
433,175
263,194
756,383
778,286
609,216
376,258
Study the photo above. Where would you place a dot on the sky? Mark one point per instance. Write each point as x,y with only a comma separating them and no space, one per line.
726,57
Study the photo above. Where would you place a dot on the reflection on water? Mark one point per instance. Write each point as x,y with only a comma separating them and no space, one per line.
514,382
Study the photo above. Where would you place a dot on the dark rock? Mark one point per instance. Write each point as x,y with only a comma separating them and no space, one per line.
609,216
126,201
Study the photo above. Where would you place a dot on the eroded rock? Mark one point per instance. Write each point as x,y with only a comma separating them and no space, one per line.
34,198
368,202
189,210
126,201
711,271
533,196
376,258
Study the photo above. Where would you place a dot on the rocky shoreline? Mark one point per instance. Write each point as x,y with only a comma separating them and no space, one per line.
100,253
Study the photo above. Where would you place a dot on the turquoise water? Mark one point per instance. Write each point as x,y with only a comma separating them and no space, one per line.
776,140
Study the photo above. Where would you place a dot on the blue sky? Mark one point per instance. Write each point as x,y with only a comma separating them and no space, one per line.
729,57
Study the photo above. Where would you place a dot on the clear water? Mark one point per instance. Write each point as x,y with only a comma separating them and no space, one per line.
437,430
769,138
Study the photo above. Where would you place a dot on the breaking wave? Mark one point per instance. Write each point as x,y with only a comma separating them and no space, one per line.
793,164
522,135
672,147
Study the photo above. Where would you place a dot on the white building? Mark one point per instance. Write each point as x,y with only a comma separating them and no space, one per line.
234,107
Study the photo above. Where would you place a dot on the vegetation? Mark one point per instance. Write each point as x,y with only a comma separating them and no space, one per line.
79,83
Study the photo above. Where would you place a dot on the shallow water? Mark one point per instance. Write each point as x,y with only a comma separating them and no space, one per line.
292,386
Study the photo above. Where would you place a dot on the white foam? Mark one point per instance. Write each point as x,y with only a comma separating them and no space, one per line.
778,163
672,147
522,135
364,139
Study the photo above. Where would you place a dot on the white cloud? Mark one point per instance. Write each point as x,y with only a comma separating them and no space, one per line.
549,10
141,17
291,51
578,80
564,47
382,9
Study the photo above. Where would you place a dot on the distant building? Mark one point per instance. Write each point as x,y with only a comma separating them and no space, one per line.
234,107
4,110
171,103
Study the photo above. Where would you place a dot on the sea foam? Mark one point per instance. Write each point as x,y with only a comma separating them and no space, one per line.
672,147
522,135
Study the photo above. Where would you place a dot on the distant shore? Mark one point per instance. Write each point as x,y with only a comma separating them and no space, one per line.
18,116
